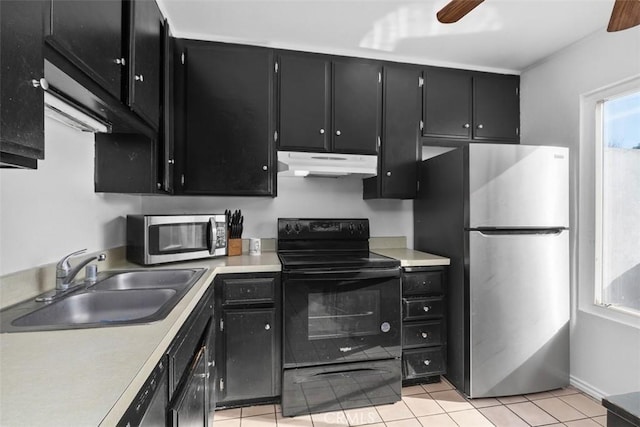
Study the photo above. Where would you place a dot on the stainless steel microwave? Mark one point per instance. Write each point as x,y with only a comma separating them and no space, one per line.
156,239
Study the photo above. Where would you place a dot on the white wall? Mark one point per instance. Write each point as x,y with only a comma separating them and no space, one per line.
605,346
299,197
51,211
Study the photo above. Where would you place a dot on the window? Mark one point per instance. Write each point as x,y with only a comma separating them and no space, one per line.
618,202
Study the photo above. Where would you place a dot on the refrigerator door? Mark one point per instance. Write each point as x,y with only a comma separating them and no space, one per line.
518,186
519,320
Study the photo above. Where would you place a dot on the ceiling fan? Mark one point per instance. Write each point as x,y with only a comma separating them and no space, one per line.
626,13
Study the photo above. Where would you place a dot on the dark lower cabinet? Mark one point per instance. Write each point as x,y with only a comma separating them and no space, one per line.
225,134
424,332
21,97
397,165
248,312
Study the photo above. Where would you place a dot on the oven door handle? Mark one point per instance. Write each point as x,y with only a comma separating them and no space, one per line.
344,274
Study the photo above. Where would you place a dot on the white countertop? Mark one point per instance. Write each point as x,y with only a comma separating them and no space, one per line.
411,258
88,377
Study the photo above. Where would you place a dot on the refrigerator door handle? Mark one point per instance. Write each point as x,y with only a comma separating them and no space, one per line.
510,232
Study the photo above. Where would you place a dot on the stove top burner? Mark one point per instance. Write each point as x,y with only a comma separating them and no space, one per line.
335,260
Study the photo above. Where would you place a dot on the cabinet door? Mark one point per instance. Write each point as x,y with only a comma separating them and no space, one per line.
228,125
304,102
249,345
145,60
447,103
89,34
496,107
357,96
21,63
401,131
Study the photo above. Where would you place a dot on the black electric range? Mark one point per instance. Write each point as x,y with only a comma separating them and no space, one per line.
342,317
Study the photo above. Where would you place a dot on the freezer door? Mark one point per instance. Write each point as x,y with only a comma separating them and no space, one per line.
518,186
519,320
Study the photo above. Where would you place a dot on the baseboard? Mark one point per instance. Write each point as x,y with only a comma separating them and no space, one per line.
586,387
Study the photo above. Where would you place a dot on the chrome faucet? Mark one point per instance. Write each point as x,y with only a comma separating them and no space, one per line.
65,274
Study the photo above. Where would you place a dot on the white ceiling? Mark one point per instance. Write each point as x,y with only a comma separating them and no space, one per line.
499,35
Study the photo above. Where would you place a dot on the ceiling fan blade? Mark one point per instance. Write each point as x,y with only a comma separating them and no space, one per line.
456,9
626,14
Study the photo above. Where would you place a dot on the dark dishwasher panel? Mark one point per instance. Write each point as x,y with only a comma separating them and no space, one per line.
342,386
149,408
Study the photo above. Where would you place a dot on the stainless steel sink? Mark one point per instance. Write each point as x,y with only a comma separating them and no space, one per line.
99,307
146,279
123,297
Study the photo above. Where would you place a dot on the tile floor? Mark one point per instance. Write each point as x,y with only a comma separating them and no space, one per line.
439,405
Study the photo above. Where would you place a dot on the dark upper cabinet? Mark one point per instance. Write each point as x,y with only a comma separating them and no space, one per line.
328,104
89,34
400,136
447,103
145,59
357,96
304,101
470,106
496,107
225,137
21,97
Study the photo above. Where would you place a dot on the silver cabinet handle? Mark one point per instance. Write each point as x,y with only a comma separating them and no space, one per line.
388,173
321,131
480,126
424,335
43,83
426,308
466,126
171,161
427,362
139,78
267,327
120,61
338,133
264,168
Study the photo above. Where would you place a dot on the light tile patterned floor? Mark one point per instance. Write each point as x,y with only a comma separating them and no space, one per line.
439,405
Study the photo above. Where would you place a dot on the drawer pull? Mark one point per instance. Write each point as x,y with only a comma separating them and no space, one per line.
424,335
426,308
267,327
427,362
425,283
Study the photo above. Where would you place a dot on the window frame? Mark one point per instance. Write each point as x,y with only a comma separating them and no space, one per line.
592,156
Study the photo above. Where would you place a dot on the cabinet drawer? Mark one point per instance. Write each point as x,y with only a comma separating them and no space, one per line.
422,334
424,282
424,362
422,308
248,291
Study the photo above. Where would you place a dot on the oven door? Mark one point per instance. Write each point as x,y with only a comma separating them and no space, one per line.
341,316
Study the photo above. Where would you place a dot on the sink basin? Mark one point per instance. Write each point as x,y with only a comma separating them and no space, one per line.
145,279
99,307
123,297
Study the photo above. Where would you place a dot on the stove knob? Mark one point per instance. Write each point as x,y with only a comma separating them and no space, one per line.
361,228
352,228
297,228
287,228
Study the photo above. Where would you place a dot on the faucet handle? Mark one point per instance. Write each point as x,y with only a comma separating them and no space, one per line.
63,265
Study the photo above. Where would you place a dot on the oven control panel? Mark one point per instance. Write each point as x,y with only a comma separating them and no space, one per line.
323,228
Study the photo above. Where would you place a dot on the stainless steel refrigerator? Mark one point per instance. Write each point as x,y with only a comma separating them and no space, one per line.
500,212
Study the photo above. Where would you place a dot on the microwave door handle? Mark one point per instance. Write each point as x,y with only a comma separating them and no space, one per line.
211,235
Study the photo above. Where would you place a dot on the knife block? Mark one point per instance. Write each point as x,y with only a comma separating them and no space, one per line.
234,247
